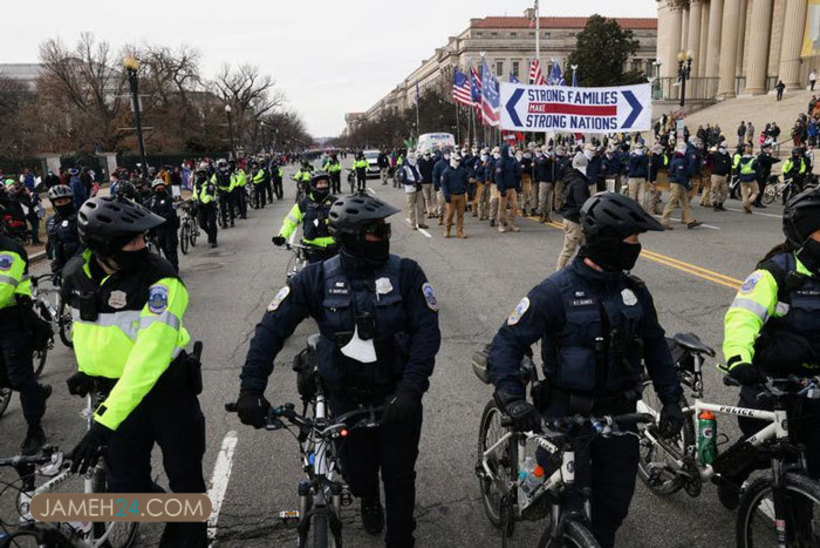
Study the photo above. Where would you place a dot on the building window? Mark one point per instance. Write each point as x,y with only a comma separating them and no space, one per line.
513,35
493,35
479,34
531,34
515,68
547,36
499,68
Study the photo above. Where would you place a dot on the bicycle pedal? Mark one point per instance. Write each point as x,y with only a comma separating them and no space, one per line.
290,518
346,496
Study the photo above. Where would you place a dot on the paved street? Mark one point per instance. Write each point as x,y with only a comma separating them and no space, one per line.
692,273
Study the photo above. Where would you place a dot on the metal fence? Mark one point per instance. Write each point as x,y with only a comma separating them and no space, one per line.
698,89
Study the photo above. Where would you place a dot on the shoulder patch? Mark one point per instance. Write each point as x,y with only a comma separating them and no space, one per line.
629,297
430,297
280,296
750,283
6,261
519,311
157,298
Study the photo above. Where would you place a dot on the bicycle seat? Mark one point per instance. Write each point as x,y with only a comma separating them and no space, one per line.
692,342
313,341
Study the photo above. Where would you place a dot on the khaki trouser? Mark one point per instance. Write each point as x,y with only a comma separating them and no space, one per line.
678,196
558,196
495,198
415,208
694,186
383,175
651,198
573,238
441,204
706,192
480,200
429,199
528,198
510,196
545,198
748,192
457,205
636,189
720,189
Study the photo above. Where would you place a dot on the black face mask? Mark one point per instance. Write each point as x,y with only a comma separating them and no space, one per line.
319,194
809,255
129,261
363,255
66,210
612,255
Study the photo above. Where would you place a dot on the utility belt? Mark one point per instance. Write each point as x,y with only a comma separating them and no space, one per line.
547,396
779,351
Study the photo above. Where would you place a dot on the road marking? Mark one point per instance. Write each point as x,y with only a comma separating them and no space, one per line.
773,216
370,190
220,478
420,229
704,225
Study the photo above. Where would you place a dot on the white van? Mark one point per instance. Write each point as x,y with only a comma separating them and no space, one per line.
429,141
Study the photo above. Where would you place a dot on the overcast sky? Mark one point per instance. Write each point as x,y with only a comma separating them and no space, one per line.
328,56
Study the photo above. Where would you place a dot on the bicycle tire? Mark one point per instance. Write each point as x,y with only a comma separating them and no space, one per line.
184,238
66,325
575,534
194,231
769,194
24,539
796,484
491,417
319,530
5,398
670,483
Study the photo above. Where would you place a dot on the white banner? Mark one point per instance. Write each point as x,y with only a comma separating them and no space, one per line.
567,109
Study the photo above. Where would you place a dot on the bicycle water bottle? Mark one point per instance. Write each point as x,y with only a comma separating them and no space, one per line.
707,436
530,476
524,471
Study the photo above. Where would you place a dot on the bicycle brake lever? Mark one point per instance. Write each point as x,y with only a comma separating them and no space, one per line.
274,424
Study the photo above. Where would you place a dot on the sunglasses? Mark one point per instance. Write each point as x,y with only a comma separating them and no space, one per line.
381,230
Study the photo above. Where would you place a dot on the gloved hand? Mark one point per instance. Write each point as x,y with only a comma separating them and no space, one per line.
744,373
79,384
88,451
671,420
252,408
400,406
524,416
57,279
278,240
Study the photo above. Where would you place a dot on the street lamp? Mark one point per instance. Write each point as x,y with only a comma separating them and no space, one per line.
131,66
684,69
657,64
230,129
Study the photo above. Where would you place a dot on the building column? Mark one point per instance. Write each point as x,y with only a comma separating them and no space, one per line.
741,36
660,45
758,67
728,48
795,22
703,40
693,37
713,49
674,29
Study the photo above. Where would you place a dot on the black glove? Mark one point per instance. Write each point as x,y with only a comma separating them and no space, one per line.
79,384
57,279
88,451
744,373
401,406
278,240
252,408
671,420
524,416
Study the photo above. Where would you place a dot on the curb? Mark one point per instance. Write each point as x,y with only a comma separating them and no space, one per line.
36,257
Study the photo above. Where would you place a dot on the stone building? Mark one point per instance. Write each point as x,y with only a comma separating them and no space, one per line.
509,46
738,47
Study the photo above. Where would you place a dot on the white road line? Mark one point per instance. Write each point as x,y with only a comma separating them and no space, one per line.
420,230
220,478
773,216
704,225
370,190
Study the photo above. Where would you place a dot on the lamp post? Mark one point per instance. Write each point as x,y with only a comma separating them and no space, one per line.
230,130
131,66
684,69
657,64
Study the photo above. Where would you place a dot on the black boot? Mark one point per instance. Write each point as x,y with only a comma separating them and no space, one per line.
35,439
372,515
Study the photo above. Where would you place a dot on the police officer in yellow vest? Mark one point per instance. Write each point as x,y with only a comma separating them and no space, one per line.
261,184
240,196
360,166
746,167
16,367
773,326
302,178
205,193
795,169
333,167
129,339
312,214
222,179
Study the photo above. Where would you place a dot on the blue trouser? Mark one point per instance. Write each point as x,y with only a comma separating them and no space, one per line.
171,417
17,369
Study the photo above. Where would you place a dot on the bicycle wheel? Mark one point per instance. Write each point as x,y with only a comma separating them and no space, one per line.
66,325
503,463
5,398
660,479
27,539
755,516
319,530
575,534
184,238
194,231
39,359
769,194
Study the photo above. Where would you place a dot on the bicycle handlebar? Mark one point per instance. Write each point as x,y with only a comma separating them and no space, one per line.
599,423
44,457
288,411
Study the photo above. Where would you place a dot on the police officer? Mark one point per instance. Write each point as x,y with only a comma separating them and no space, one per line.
302,178
259,180
312,213
162,204
16,366
276,176
765,162
387,304
205,193
360,166
224,184
239,179
63,240
129,341
596,325
333,167
794,168
127,190
773,327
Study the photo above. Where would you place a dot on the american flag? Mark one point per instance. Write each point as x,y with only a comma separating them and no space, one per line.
461,88
490,97
536,76
556,78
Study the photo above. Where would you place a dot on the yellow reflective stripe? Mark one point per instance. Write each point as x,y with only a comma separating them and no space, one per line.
166,317
9,280
324,241
126,320
752,306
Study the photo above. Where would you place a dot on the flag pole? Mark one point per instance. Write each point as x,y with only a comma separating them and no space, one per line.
537,33
458,123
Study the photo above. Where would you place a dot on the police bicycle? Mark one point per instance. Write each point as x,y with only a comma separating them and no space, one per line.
298,260
782,508
502,455
54,314
783,190
188,226
53,464
351,180
322,491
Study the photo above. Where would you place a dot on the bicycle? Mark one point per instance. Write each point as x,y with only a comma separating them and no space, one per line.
297,262
189,228
667,466
53,464
46,311
351,180
322,491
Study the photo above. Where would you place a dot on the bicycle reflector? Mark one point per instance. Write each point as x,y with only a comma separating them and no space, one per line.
344,432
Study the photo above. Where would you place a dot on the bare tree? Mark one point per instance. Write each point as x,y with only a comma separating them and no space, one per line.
14,102
251,95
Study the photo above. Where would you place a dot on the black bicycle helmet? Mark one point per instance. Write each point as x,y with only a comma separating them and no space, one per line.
59,191
319,176
126,189
802,217
350,214
615,215
107,223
